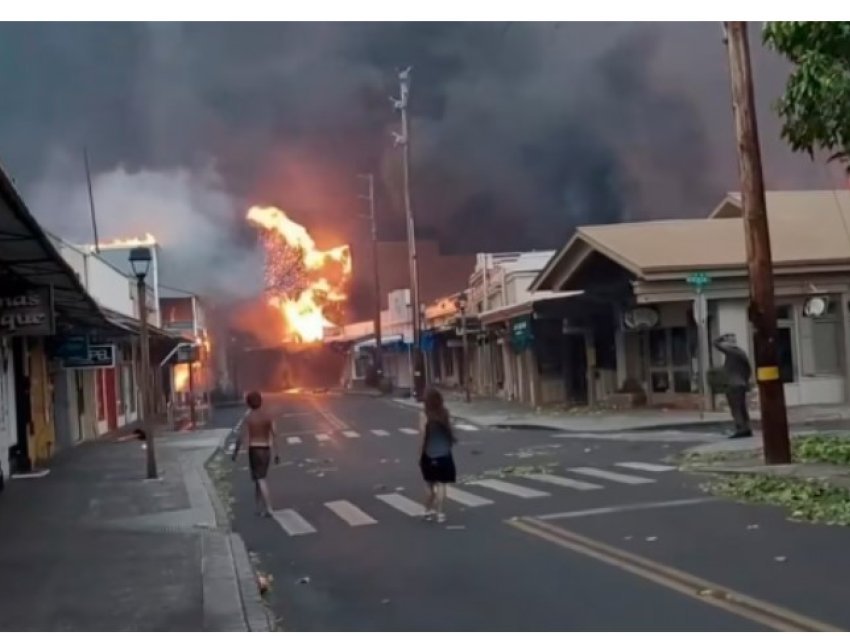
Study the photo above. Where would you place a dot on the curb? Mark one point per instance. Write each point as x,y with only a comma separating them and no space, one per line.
254,614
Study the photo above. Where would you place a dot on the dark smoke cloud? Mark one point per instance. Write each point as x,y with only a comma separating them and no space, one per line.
520,131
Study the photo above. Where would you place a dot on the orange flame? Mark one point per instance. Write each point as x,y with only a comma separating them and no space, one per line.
147,240
181,377
303,313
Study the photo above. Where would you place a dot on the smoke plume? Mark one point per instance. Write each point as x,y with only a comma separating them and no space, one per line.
519,131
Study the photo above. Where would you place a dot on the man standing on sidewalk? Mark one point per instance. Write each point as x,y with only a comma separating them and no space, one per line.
737,374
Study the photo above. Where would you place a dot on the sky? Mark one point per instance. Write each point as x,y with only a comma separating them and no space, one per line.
519,131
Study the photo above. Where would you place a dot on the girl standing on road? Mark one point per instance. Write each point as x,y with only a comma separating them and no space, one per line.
435,453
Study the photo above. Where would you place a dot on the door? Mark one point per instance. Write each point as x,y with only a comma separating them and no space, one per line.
575,368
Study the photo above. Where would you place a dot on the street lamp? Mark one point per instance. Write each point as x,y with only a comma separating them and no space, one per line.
140,261
460,305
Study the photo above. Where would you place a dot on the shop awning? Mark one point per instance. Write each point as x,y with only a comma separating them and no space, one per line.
525,308
29,258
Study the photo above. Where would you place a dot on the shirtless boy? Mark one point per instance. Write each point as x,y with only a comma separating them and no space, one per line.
258,427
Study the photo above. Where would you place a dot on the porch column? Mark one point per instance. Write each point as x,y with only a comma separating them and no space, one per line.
845,330
590,356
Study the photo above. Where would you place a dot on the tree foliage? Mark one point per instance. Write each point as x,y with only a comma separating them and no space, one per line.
815,108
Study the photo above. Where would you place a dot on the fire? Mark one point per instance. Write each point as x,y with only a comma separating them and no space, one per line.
181,377
301,279
147,240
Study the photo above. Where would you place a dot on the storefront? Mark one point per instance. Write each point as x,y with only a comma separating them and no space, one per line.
675,287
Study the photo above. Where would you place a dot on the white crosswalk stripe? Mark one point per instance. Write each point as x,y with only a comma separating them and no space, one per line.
509,488
378,432
323,437
292,523
351,434
350,513
293,440
400,502
409,431
650,468
466,498
466,427
566,482
611,476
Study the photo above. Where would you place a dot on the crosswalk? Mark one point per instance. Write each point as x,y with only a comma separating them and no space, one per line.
330,436
476,493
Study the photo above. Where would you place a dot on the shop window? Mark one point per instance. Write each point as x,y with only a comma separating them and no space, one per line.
826,343
672,355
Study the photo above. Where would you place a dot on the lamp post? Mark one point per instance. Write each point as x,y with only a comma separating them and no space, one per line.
140,261
460,304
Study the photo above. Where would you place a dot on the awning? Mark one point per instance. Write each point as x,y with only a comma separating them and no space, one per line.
386,341
29,258
122,325
525,308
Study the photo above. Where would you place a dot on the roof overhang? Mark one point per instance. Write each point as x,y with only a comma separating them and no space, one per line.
563,265
502,314
29,258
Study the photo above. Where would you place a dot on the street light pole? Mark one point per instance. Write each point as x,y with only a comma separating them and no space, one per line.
759,260
403,139
461,305
140,259
379,356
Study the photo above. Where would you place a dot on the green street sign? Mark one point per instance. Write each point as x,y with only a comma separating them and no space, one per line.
699,279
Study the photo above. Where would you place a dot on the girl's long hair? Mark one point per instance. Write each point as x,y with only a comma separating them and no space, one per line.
436,411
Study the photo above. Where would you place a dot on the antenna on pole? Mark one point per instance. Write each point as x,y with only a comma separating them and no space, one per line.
91,201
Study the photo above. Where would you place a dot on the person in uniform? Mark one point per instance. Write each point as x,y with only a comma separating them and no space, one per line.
737,376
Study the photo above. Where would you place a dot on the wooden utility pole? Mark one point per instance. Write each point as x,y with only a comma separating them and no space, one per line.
762,310
379,358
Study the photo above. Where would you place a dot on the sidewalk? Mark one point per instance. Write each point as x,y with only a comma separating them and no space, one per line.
94,547
493,412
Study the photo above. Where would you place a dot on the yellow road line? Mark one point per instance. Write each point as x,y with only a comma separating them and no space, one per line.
752,609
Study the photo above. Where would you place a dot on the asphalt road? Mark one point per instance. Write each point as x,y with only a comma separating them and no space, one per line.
548,531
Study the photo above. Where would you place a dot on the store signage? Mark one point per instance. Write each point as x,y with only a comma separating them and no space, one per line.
73,348
640,318
28,313
186,354
100,357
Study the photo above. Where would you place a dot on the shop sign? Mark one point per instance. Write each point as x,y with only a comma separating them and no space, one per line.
521,334
639,318
188,353
100,357
28,313
73,348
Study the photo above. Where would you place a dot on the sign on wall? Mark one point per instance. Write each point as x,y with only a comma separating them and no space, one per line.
28,313
100,357
188,353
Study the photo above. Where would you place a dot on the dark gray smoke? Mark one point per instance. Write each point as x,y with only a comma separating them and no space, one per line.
520,131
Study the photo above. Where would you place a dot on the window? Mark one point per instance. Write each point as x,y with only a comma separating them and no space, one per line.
821,343
672,355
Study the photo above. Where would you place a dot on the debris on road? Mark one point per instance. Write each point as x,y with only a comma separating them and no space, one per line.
304,580
780,559
651,539
753,526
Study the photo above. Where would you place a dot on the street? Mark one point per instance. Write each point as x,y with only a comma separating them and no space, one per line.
545,531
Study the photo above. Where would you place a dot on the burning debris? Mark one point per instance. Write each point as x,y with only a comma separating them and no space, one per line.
305,284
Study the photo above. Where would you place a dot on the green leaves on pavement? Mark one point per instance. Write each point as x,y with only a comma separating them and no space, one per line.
807,500
824,449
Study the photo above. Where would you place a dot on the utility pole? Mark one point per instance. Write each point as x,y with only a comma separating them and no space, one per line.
379,355
91,202
403,139
147,398
762,308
